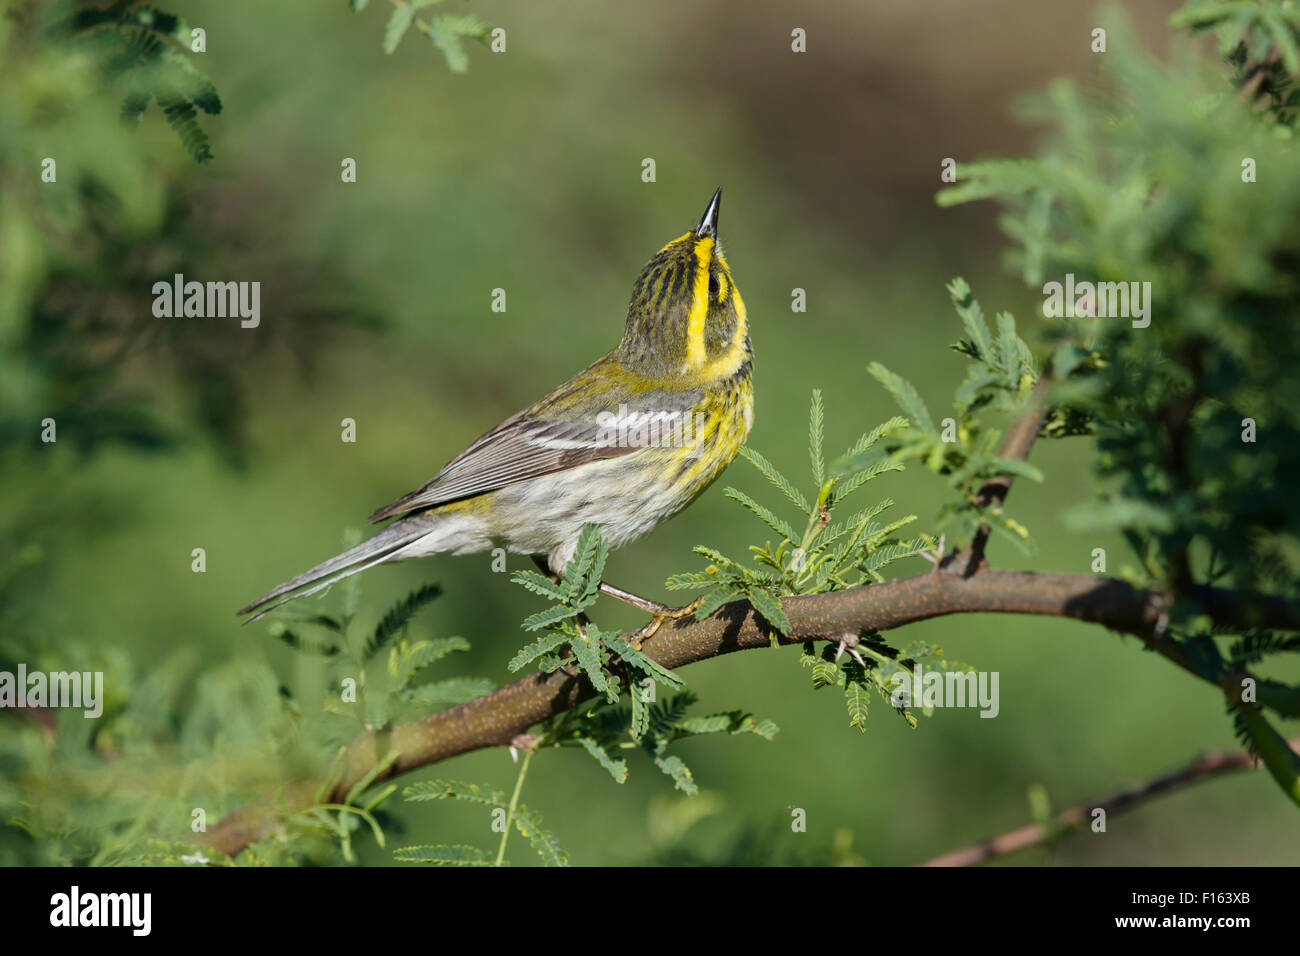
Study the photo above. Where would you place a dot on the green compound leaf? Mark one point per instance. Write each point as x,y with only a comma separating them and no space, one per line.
765,515
825,674
815,440
608,757
681,774
453,790
716,599
446,693
769,605
398,24
405,660
909,400
780,481
529,824
560,612
587,654
446,33
583,573
531,652
398,617
979,345
1282,762
767,729
640,722
620,646
444,854
540,584
856,699
1016,468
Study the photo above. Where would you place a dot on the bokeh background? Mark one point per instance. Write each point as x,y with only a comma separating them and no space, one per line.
524,174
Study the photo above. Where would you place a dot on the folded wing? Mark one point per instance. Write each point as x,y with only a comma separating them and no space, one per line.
545,439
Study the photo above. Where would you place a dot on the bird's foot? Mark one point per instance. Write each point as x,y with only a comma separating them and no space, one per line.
658,614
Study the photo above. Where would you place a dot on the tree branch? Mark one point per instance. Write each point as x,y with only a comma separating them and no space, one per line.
1206,767
1016,446
962,584
497,718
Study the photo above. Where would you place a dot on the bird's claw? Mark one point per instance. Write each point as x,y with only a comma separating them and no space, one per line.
657,617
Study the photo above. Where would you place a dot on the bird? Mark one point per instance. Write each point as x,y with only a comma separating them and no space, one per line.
626,443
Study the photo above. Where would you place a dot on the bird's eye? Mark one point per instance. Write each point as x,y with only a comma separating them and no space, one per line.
713,286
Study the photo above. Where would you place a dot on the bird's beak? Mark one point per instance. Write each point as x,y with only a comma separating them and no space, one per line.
709,224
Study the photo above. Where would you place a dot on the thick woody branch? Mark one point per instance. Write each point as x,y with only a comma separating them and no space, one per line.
496,719
962,585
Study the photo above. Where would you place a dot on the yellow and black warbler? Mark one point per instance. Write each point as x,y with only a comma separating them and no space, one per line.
626,443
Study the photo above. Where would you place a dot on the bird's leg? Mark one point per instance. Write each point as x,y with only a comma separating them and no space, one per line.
658,612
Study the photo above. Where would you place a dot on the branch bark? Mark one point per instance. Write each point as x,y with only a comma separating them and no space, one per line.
497,718
1206,767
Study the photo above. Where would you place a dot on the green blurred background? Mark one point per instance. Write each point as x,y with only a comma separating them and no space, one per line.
524,174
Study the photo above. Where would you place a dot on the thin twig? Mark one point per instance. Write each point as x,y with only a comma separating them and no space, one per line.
514,804
1016,446
1206,767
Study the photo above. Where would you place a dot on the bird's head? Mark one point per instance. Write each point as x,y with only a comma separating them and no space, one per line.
686,316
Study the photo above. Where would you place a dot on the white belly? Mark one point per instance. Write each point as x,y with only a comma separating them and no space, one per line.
545,515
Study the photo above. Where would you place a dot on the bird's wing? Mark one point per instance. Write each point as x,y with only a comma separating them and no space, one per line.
549,437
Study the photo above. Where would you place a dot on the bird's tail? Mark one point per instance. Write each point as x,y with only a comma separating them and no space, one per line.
374,550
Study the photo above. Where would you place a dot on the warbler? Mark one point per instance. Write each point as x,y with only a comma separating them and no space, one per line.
626,443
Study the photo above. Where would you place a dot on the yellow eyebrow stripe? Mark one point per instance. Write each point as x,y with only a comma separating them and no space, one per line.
695,351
